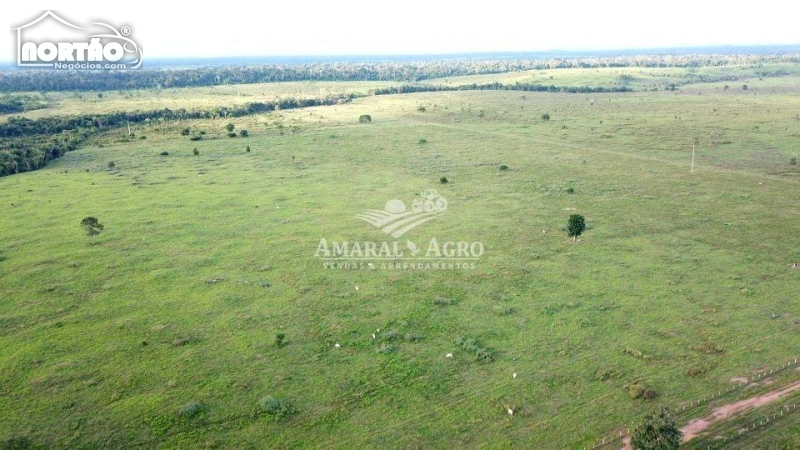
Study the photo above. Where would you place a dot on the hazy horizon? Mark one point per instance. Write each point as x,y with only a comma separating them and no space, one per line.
358,28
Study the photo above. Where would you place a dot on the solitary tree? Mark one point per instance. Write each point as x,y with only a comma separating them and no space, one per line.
657,431
576,225
92,226
545,117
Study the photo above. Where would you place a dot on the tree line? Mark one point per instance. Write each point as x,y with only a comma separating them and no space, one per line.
27,144
405,71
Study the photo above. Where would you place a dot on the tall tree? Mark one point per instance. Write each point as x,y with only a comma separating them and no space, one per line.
576,226
92,226
657,431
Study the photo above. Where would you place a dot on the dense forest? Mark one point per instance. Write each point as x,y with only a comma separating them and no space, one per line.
406,72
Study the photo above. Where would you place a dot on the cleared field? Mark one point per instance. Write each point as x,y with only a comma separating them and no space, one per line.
682,281
67,103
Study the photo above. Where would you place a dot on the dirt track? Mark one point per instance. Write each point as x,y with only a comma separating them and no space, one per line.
697,426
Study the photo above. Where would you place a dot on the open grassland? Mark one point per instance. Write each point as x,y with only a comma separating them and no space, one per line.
69,103
161,330
636,78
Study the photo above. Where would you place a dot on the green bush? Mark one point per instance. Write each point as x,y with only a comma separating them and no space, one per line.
442,301
16,443
484,355
186,132
244,133
280,340
392,336
444,180
471,345
195,151
365,118
164,153
385,349
503,167
276,407
112,164
231,135
793,161
423,141
190,409
545,117
196,138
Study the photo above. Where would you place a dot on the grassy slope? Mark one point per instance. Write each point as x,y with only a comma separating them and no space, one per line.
674,262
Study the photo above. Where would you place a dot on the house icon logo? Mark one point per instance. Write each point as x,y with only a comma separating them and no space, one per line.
50,41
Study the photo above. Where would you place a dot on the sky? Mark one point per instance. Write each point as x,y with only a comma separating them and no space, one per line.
355,27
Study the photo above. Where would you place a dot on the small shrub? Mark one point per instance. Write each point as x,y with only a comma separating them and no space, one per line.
570,190
180,342
421,108
793,161
16,443
411,337
276,407
141,138
196,138
444,180
545,117
649,394
112,164
744,87
392,335
190,409
606,374
248,149
484,355
186,132
423,141
634,352
502,310
231,135
195,151
230,127
471,345
244,133
503,167
385,349
365,118
635,390
695,372
442,301
280,340
164,153
202,132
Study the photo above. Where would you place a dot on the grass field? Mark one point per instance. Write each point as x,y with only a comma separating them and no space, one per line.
160,331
